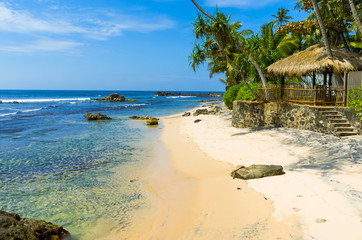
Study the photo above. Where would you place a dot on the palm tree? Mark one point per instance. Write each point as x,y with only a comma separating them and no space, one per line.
281,17
323,30
224,34
355,15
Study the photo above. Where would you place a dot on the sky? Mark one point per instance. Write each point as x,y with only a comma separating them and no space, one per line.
113,44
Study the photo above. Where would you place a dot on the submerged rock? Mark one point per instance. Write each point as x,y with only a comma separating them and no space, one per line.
96,116
257,171
13,227
113,97
132,100
145,118
1,101
152,122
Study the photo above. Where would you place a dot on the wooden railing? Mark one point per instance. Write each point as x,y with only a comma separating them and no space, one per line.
318,95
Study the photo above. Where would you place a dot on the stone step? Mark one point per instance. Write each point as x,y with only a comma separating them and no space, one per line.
336,125
334,121
344,129
330,113
345,134
333,117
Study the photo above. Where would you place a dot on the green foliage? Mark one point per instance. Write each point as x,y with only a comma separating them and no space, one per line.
244,92
230,95
355,100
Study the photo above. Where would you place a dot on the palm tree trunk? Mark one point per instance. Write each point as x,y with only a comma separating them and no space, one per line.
340,34
263,80
228,58
323,30
355,15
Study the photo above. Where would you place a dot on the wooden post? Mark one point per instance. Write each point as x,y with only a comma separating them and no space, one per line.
330,87
313,79
345,76
324,79
282,88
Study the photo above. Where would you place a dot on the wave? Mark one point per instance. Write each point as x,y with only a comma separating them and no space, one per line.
8,114
31,110
181,97
45,99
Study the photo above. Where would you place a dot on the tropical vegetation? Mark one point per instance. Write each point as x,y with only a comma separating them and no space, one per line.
242,55
355,100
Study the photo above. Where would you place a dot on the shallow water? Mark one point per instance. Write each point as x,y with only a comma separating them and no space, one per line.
56,166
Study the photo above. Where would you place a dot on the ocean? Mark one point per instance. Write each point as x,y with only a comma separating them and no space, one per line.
87,176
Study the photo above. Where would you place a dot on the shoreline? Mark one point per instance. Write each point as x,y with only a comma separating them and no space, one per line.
199,199
317,198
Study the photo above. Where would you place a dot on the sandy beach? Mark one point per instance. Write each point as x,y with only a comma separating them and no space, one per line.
319,197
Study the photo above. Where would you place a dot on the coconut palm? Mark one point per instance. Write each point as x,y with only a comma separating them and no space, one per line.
355,15
281,17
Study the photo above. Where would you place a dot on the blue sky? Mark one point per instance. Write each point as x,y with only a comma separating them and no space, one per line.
112,44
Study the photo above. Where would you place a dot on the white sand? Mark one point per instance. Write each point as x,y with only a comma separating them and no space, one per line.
323,180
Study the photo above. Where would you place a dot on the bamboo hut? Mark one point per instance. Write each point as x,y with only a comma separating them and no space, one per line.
316,61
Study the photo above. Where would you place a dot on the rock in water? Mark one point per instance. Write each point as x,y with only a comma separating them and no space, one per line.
96,116
113,97
1,101
152,122
257,171
132,100
143,118
13,227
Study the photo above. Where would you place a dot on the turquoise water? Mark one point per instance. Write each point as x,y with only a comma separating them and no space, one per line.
56,166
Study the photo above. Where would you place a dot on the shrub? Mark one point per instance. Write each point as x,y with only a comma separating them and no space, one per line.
230,95
245,94
355,99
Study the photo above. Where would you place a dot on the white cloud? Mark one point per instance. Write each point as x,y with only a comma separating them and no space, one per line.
22,22
90,25
238,3
42,46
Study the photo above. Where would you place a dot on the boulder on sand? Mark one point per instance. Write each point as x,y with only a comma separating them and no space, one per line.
12,226
96,116
257,171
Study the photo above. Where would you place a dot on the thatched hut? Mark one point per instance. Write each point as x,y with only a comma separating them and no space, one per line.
315,59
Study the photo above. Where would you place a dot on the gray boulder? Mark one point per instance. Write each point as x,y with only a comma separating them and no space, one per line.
96,116
13,227
201,111
257,171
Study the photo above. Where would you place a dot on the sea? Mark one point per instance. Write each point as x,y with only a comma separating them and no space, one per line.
87,176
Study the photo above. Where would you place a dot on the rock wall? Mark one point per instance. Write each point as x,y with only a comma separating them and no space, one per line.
254,114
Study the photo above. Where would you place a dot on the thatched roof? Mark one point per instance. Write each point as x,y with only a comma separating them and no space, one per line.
315,59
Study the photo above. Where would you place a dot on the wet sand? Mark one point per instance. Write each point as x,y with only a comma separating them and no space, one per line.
199,200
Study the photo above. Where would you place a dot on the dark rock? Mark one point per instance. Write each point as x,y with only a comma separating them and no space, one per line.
145,118
152,122
186,114
257,171
15,102
203,111
113,97
197,120
96,116
13,227
1,101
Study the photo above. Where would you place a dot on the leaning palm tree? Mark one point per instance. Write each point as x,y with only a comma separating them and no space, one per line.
323,29
355,15
224,35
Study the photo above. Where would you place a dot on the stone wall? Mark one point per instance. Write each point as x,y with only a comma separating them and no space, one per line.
254,114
